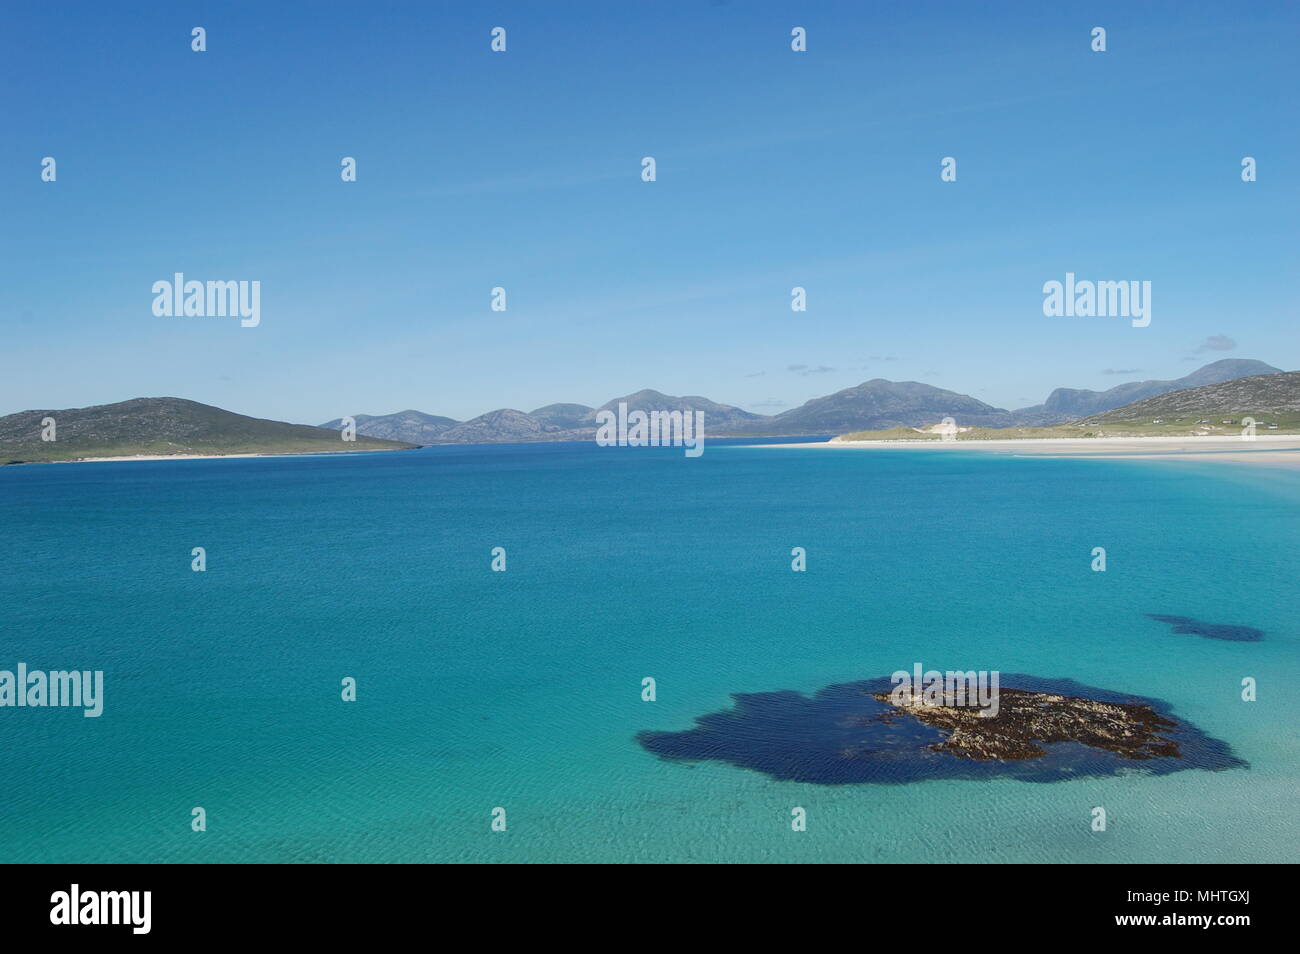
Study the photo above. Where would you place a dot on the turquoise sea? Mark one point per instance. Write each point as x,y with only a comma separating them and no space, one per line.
522,689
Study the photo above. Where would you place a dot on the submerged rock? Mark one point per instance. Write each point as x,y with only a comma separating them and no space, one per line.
1044,731
1186,626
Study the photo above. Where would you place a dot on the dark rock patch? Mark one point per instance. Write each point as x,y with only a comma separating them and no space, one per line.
1186,626
1046,731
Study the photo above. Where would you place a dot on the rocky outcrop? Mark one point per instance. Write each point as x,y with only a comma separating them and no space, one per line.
1025,721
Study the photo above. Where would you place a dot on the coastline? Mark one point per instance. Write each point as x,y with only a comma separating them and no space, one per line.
142,457
1267,450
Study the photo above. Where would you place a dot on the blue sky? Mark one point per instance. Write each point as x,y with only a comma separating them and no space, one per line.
775,169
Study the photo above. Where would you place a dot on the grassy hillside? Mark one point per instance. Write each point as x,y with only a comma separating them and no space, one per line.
1208,411
1266,397
164,426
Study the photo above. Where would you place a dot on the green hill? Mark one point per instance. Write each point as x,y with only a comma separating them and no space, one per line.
166,427
1206,411
1273,398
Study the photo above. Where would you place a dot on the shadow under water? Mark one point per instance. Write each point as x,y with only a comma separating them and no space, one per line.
1185,625
837,737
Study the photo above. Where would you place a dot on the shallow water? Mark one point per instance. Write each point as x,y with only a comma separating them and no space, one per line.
522,689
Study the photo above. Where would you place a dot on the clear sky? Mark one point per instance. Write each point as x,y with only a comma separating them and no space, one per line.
523,170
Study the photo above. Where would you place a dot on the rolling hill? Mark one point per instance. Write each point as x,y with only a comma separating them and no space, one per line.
1068,404
1212,410
880,404
718,418
411,427
164,426
1264,397
565,416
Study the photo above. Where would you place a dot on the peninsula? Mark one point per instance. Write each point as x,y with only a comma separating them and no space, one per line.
160,428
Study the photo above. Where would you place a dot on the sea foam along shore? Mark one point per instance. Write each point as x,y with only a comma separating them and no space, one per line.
1266,450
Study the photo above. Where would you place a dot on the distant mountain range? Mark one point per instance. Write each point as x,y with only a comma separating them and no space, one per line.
554,422
874,404
164,426
170,426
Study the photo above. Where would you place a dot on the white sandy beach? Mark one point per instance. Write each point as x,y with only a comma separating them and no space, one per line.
101,460
1267,450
